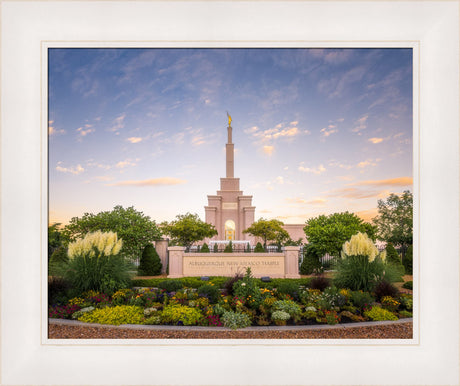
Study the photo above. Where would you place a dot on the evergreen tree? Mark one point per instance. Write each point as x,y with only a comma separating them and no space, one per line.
392,254
229,248
150,263
248,247
311,261
215,249
204,248
407,260
259,248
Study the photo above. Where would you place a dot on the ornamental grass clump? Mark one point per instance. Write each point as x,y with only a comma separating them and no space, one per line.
95,264
361,265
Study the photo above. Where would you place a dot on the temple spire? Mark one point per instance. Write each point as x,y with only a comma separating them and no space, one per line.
229,150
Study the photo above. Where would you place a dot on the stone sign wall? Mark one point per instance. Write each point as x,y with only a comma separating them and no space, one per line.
275,265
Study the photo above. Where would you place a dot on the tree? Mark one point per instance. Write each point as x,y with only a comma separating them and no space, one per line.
229,247
150,263
328,233
187,229
394,220
205,248
268,230
55,238
133,227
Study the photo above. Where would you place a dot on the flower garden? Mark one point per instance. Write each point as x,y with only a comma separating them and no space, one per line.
359,289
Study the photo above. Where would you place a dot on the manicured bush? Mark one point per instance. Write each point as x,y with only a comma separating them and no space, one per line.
229,247
150,263
384,288
311,261
378,314
235,320
407,260
171,285
408,285
320,283
95,263
392,255
209,291
205,248
248,247
181,315
259,248
215,248
114,315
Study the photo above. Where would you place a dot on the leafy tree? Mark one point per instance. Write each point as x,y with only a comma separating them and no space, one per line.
328,233
187,229
133,227
58,258
150,263
394,220
407,261
55,238
268,230
392,255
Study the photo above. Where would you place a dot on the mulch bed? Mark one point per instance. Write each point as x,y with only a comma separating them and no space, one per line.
392,331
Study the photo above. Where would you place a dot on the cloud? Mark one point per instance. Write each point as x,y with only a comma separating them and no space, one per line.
317,201
85,130
73,170
125,163
279,180
151,182
367,215
366,163
320,169
118,124
399,181
281,130
354,193
375,140
268,150
52,130
296,200
360,124
134,139
331,129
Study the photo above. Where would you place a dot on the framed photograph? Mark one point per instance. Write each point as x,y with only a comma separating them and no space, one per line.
105,101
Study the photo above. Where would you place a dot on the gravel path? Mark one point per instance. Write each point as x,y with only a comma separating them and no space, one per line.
364,331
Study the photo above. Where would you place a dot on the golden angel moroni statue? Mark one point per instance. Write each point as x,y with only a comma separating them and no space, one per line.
229,119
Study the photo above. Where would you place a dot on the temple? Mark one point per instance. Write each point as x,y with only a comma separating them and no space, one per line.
230,211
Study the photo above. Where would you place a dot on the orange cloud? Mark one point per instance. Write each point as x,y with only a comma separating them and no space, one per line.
375,140
134,139
400,181
268,150
151,182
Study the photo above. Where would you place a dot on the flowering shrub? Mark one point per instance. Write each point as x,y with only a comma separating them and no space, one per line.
209,291
235,320
62,312
288,306
122,296
378,313
280,317
76,301
331,317
248,291
211,320
331,298
406,301
362,299
181,315
390,303
114,315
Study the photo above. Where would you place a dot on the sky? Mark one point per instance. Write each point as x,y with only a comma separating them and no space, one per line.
316,131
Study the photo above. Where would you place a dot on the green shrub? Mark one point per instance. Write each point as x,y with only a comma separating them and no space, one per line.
407,260
311,261
290,288
171,285
408,285
361,299
235,320
392,255
292,308
80,313
218,281
248,248
229,247
259,248
215,248
248,290
114,315
406,301
58,258
181,315
209,291
146,282
150,263
280,317
405,314
59,290
205,248
191,282
378,314
331,298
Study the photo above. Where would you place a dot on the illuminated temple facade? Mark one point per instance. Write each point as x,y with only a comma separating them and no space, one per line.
230,211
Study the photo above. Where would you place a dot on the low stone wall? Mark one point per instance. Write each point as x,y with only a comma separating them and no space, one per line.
274,265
